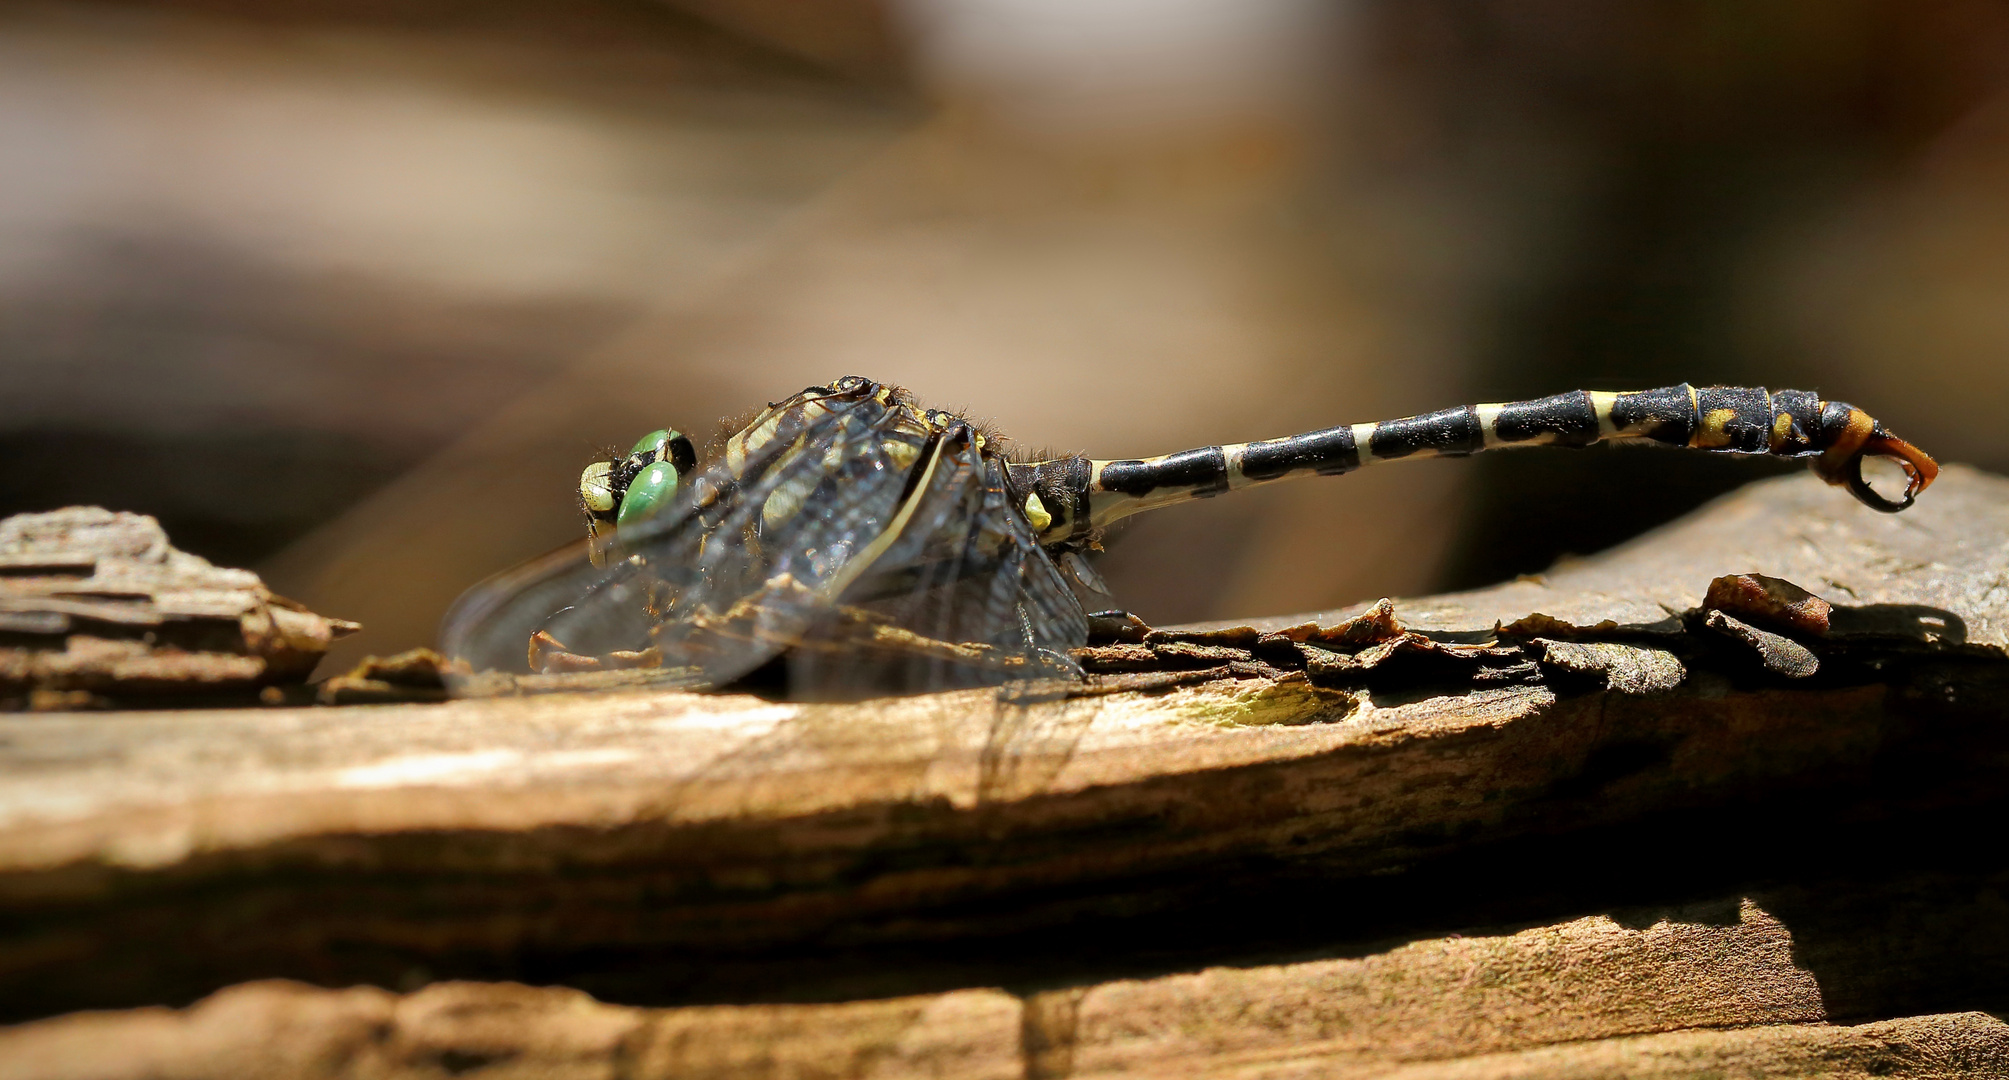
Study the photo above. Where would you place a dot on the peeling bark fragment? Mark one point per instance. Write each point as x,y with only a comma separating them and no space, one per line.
1624,669
1121,627
412,675
1779,654
1257,669
1185,654
1413,661
1143,667
1769,602
1575,655
1376,624
1546,626
1234,637
1100,659
1146,681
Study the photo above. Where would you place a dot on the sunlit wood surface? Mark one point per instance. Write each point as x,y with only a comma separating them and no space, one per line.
1745,874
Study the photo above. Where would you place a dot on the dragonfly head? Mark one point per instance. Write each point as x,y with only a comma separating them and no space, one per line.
620,494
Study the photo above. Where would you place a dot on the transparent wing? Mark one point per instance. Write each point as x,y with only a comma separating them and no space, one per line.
749,556
962,595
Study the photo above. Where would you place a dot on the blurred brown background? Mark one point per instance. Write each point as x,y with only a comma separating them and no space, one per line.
350,292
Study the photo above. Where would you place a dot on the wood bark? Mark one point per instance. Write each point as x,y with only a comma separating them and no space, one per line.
98,609
1660,838
1587,998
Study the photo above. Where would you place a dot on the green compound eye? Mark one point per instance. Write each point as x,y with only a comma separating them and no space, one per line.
648,492
669,445
661,459
654,441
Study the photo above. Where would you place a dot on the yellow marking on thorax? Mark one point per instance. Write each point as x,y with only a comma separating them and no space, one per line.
782,503
764,428
750,441
903,453
1036,515
864,559
763,433
786,500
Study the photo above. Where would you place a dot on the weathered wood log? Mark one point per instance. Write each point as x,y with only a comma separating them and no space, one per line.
1587,998
1636,749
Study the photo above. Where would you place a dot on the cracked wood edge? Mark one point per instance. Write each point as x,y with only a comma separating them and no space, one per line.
150,790
97,606
1952,550
773,811
1589,997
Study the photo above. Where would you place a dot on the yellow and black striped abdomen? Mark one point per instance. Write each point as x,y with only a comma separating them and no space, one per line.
1727,419
1720,419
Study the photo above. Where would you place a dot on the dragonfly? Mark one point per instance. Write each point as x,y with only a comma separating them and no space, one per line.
849,541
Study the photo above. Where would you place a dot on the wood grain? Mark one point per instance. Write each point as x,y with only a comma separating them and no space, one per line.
1659,852
1583,998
